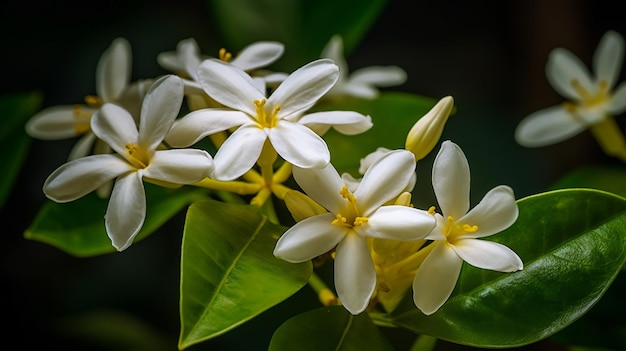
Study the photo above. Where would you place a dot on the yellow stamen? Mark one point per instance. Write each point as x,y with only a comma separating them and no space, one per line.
225,55
94,101
458,229
339,220
263,119
589,99
431,210
139,157
81,126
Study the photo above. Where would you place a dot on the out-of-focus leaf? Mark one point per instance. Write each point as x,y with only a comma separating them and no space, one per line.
77,227
329,328
303,26
14,142
609,178
572,245
229,273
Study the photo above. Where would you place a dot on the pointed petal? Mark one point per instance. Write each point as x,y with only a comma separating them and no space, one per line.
126,211
380,76
309,238
229,85
79,177
398,223
345,122
385,179
608,57
355,276
334,51
299,145
198,124
258,54
159,109
618,101
435,278
451,180
562,68
488,255
59,122
115,126
238,153
349,88
114,70
180,166
494,213
304,87
547,126
323,185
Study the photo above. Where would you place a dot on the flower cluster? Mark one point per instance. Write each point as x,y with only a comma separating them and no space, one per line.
264,128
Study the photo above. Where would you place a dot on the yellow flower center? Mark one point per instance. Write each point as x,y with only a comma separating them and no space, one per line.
225,55
453,229
138,156
264,119
83,117
351,217
589,99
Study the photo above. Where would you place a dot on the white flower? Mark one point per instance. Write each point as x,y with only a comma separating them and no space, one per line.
112,85
592,99
138,158
351,218
259,119
365,164
456,236
362,83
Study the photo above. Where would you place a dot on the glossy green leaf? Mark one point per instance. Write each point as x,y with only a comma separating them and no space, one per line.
572,244
329,328
16,110
228,271
393,114
77,227
303,26
611,178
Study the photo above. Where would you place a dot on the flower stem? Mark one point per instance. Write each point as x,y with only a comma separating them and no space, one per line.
610,137
325,295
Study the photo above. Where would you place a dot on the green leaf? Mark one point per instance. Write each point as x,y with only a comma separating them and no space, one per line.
609,178
329,328
303,26
572,244
16,109
228,271
393,115
77,227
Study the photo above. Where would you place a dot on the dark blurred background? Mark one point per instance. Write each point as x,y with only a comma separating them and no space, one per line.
489,55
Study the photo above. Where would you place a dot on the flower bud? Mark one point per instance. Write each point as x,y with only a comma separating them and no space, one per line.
425,133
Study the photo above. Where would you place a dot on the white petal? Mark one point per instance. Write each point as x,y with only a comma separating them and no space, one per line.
159,109
562,68
397,223
435,278
323,185
198,124
299,145
488,255
334,51
57,122
608,57
238,153
385,179
229,85
345,122
380,76
114,70
350,88
115,126
309,238
618,100
83,146
547,126
258,54
494,213
126,211
304,87
451,180
180,166
355,276
79,177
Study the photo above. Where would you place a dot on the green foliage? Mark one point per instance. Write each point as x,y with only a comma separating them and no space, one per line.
566,238
329,328
16,109
228,271
602,177
77,227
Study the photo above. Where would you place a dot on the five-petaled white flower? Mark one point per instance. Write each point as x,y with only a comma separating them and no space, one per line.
112,85
139,157
351,218
592,99
457,231
362,83
278,118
